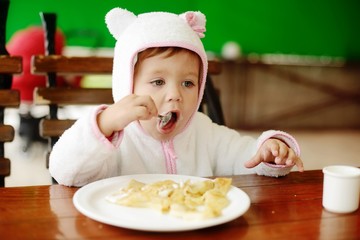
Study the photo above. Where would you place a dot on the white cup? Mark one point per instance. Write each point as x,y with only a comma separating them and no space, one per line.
341,189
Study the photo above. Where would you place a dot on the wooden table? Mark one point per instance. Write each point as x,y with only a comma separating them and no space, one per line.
281,208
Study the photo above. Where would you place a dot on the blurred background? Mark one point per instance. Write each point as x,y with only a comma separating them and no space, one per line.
289,65
320,28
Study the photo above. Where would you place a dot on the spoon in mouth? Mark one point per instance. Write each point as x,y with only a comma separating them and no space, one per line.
164,119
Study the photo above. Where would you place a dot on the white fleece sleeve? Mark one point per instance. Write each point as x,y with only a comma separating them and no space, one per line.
232,149
82,154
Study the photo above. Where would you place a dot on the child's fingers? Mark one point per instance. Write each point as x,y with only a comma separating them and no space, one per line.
260,156
292,159
267,154
273,147
283,153
264,154
145,107
277,152
254,161
299,164
142,113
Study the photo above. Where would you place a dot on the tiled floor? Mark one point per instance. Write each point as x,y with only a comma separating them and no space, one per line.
319,148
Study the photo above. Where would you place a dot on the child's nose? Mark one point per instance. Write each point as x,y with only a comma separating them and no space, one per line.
174,94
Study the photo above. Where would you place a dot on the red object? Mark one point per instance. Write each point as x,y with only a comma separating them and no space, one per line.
26,43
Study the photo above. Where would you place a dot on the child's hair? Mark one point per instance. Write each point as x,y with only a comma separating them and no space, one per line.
170,51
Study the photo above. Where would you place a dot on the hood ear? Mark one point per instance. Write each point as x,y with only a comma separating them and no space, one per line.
196,21
117,20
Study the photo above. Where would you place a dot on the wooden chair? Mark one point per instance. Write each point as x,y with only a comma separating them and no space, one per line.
56,97
8,98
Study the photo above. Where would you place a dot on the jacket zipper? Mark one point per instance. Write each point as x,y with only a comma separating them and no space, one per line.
170,157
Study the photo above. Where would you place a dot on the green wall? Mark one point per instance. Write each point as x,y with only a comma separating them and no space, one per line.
307,27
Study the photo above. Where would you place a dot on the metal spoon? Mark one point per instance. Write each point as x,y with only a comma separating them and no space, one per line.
164,119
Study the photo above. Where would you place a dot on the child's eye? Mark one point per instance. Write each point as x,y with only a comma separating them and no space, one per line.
158,82
188,84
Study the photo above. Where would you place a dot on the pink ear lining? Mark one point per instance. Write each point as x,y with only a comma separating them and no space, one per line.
190,18
199,30
195,23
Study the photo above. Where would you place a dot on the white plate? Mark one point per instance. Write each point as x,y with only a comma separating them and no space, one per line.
90,201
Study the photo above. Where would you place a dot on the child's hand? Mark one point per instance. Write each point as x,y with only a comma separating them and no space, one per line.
118,115
277,152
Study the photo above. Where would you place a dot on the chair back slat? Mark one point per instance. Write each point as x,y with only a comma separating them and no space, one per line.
71,65
54,127
10,64
42,64
7,133
9,98
72,96
4,168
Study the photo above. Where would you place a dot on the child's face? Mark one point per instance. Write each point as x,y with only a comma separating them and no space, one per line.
173,84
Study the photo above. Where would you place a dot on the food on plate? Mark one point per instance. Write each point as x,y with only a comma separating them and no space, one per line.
189,200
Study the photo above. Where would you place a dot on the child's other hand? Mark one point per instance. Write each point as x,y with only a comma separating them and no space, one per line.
276,152
118,115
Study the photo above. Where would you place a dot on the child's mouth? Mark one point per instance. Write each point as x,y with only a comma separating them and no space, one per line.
167,121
